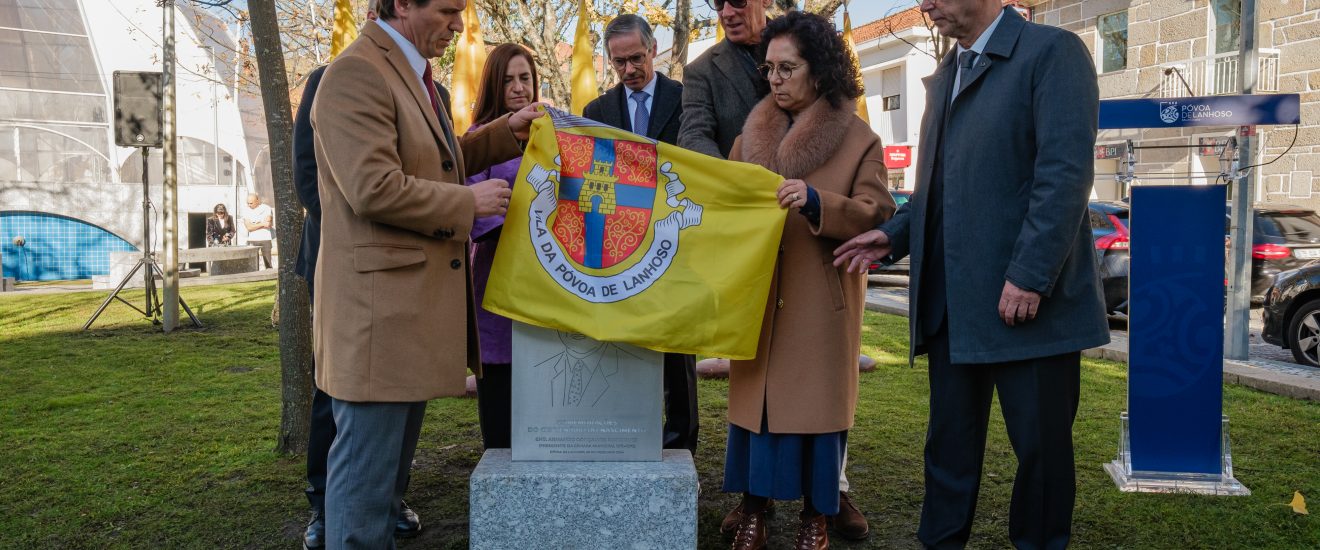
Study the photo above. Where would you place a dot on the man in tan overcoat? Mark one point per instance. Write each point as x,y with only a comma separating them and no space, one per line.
394,316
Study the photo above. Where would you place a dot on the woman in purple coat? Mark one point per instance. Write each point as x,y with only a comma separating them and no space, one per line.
508,83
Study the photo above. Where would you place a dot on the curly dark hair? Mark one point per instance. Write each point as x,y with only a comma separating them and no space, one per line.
821,46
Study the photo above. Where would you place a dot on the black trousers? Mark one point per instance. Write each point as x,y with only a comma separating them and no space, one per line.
681,420
495,397
1039,401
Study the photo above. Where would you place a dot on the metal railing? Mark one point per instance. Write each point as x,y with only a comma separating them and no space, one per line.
1217,75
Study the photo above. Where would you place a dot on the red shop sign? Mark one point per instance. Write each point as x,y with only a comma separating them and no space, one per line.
898,156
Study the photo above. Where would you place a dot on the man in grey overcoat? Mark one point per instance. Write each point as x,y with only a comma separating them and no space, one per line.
722,85
1005,171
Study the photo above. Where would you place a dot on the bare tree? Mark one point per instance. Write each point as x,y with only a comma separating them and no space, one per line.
295,315
539,25
940,44
682,26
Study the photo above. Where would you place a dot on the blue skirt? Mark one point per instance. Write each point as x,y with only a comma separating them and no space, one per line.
786,466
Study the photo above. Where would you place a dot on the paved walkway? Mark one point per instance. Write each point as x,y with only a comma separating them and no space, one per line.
1269,368
86,286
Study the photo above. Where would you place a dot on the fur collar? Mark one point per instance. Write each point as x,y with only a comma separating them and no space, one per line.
794,152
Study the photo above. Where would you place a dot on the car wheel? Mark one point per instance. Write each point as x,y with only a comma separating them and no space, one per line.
1304,334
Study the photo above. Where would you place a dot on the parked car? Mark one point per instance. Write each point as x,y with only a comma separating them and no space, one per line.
1109,231
1283,237
1292,313
901,196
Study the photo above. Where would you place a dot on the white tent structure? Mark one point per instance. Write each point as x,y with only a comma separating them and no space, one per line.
68,194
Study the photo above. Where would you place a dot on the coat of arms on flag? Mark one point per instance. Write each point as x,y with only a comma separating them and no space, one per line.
606,235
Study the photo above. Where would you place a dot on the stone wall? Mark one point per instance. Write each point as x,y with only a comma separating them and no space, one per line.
1171,31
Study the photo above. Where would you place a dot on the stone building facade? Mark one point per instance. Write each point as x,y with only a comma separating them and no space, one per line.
1178,48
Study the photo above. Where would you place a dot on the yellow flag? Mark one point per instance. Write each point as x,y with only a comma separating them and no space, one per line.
852,53
346,28
583,73
719,30
469,58
625,239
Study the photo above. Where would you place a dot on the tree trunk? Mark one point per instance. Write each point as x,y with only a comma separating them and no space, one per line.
295,315
682,36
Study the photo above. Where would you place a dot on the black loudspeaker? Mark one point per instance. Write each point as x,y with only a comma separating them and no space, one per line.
137,109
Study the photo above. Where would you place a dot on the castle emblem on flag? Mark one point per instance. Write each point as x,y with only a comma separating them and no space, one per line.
595,214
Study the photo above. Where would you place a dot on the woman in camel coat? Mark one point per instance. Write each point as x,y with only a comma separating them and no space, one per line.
790,408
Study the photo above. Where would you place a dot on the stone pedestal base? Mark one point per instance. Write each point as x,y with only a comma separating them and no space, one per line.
583,505
6,284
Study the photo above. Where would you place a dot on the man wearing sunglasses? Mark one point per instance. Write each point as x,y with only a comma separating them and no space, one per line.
719,90
722,86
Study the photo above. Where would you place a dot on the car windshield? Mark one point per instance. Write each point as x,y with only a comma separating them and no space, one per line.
1300,227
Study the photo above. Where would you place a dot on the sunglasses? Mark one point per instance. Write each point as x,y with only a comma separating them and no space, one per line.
718,5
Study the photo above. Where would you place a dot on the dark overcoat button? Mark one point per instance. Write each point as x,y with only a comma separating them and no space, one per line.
456,264
447,166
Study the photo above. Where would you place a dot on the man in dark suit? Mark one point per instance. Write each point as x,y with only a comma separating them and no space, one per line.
720,88
1004,177
648,103
322,425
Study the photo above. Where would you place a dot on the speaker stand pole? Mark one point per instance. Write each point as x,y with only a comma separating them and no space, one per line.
147,263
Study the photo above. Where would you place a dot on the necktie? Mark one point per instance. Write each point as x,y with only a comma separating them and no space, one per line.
965,61
641,117
428,83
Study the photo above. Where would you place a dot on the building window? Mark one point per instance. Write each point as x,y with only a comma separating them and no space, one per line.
1227,25
1113,29
896,179
891,103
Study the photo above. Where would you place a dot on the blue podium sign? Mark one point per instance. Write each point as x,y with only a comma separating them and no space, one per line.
1176,336
1223,110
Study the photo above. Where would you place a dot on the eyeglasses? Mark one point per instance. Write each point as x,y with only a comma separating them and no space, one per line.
621,63
718,5
783,70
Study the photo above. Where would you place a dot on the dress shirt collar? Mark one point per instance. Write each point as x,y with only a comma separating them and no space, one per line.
981,41
649,88
415,59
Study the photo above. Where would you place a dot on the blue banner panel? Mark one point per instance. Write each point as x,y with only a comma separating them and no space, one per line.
1220,110
1176,328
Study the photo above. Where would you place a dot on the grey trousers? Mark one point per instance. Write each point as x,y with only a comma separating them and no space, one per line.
368,471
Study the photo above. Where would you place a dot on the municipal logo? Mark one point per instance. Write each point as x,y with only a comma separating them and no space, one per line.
593,221
1169,112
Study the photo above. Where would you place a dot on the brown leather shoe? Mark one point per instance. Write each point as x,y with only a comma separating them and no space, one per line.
849,523
811,534
751,533
735,516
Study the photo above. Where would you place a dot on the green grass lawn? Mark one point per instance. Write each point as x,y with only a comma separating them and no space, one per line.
126,437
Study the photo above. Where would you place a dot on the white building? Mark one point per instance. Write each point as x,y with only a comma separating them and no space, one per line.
68,194
895,54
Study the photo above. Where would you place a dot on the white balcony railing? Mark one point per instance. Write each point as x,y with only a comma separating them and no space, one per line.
1217,75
